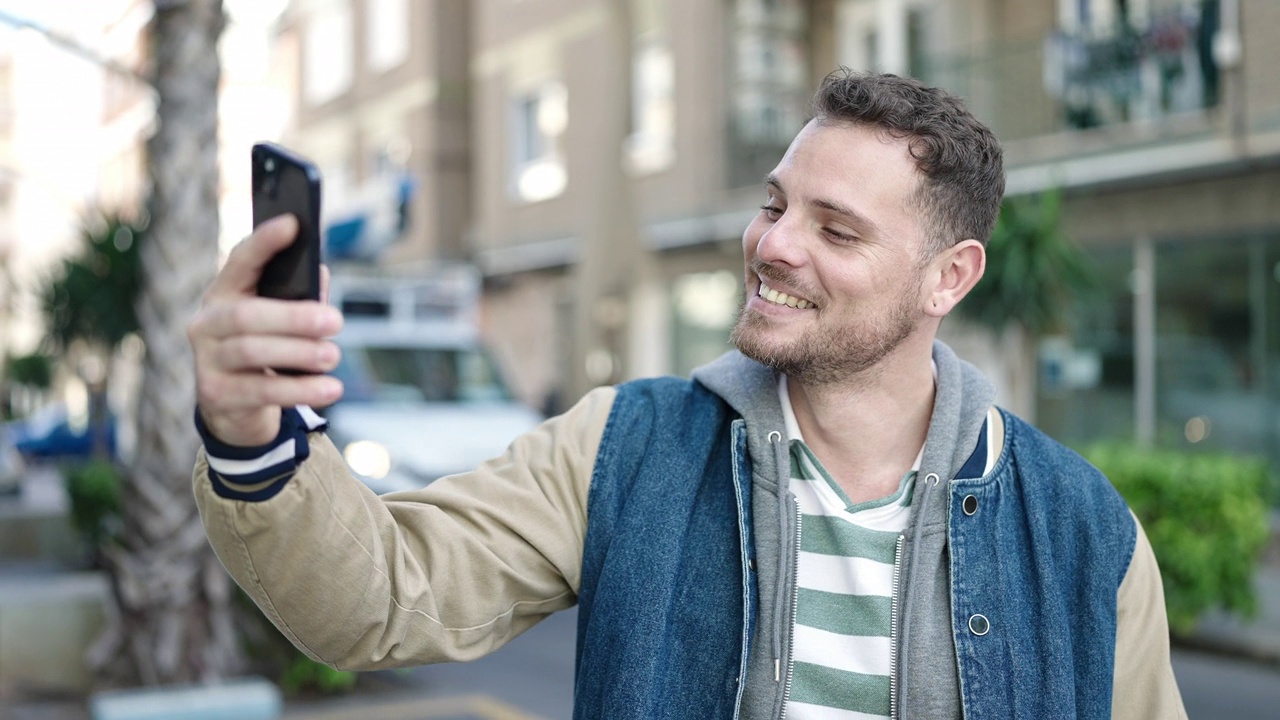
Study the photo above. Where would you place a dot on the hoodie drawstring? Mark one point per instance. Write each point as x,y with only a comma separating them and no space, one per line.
782,468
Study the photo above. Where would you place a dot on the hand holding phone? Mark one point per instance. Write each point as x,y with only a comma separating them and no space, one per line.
284,182
236,334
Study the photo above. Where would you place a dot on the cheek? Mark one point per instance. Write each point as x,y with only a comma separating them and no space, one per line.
751,237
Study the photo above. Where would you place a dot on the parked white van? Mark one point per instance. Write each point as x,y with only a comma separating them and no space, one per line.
423,397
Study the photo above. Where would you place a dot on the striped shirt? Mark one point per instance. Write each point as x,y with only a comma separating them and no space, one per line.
845,585
845,579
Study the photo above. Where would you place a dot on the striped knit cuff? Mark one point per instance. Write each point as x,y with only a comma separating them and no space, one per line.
255,474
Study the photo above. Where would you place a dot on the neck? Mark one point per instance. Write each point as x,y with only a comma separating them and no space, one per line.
867,430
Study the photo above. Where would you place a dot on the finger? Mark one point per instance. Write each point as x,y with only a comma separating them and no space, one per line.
265,316
255,352
324,284
245,261
249,391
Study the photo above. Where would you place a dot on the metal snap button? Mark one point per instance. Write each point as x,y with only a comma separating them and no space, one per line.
970,504
979,625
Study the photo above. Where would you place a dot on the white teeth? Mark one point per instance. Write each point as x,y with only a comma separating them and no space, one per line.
779,298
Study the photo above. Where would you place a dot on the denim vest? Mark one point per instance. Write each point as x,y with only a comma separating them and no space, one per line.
668,595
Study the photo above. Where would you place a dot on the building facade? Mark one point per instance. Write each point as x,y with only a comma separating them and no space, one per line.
610,153
380,104
1159,121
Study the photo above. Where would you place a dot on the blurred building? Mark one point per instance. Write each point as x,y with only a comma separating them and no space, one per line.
75,114
46,135
619,150
381,105
1160,121
599,159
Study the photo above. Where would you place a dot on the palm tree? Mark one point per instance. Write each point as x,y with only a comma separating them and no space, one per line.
88,306
1034,272
174,600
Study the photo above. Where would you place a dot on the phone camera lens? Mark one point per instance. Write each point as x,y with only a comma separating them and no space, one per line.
269,165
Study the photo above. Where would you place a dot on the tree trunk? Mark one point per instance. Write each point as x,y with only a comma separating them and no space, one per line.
173,621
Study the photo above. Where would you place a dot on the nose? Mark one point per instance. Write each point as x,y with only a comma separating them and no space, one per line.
780,243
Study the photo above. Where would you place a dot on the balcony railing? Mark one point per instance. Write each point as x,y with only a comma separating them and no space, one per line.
1085,80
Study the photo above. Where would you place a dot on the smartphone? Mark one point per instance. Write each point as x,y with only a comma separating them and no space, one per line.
284,182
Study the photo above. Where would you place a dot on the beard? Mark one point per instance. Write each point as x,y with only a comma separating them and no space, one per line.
823,356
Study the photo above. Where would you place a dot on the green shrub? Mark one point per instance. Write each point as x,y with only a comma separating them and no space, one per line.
94,491
305,674
1206,517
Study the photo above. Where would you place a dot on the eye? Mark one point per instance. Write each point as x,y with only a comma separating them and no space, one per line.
838,236
771,211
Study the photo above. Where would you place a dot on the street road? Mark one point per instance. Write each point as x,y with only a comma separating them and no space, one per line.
1219,688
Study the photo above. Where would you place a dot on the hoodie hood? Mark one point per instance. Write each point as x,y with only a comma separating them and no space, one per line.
960,404
751,389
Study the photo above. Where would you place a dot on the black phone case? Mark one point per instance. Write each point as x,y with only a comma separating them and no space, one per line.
284,182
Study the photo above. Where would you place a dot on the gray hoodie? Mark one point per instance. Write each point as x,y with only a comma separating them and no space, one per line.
925,679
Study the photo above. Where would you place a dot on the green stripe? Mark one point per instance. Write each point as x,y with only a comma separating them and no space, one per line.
797,471
902,496
826,686
862,615
827,535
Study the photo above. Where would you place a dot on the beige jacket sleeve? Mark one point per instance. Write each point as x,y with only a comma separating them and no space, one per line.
449,572
1145,687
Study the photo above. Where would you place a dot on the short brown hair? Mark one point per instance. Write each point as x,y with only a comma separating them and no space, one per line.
959,157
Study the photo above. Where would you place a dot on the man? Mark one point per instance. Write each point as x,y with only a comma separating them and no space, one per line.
833,523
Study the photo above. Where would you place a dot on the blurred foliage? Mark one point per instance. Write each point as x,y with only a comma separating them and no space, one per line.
34,370
94,491
1206,517
93,296
305,674
272,655
1033,269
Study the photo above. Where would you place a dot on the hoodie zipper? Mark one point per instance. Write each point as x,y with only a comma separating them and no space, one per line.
893,629
795,602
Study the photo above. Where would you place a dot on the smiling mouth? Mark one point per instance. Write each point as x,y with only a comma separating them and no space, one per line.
779,298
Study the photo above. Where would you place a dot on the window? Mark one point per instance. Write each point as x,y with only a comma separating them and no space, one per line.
704,306
327,54
539,118
769,85
387,36
651,146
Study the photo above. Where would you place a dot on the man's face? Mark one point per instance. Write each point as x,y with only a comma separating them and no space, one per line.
838,239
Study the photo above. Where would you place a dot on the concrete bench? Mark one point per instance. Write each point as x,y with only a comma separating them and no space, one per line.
250,698
48,617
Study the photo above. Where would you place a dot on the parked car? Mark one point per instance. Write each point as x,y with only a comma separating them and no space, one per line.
53,433
414,413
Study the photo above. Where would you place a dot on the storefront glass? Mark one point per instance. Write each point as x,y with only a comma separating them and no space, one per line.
1086,380
1207,375
1217,350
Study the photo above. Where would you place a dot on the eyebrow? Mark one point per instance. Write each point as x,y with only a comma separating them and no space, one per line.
857,217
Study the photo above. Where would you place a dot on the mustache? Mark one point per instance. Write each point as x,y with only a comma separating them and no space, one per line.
774,274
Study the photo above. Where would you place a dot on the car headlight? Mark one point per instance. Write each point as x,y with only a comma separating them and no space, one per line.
368,458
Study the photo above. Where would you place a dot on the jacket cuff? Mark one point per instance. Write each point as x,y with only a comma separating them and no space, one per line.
254,474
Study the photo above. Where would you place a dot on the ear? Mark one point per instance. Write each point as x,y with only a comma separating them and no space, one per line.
952,274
